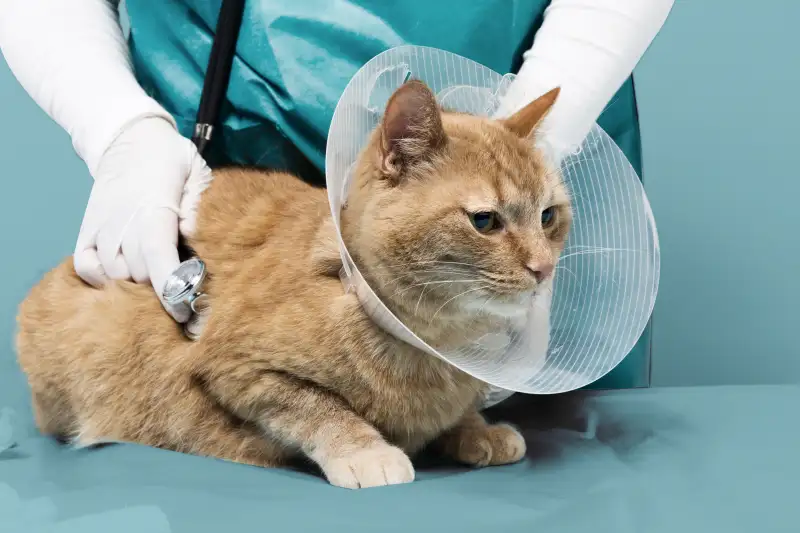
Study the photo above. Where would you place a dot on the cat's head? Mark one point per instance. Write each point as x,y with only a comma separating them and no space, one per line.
448,209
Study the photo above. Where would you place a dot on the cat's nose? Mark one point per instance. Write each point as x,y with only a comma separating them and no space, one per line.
541,271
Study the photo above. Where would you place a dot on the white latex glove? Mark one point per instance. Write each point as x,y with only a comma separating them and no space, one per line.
72,59
146,183
588,48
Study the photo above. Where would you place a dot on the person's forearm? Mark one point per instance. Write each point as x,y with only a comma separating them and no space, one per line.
588,48
72,59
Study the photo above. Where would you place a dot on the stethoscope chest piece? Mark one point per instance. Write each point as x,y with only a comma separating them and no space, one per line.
183,287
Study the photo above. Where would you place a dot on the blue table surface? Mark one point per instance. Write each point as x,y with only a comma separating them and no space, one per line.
721,459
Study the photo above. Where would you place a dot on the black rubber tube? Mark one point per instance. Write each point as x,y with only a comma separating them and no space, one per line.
218,71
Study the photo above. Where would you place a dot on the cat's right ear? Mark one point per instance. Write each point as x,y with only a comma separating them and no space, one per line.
525,121
411,130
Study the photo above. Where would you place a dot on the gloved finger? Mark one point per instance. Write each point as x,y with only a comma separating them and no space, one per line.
200,177
131,251
84,259
88,267
109,243
159,246
114,266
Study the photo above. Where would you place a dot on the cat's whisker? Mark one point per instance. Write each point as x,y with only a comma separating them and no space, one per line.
500,282
432,262
411,272
396,293
538,305
497,279
412,278
562,267
488,300
588,247
482,287
408,274
395,280
439,271
595,252
419,300
428,264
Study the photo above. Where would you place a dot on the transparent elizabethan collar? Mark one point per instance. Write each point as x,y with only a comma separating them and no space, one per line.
606,280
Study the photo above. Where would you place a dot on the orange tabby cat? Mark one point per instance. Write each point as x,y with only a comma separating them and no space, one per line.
286,362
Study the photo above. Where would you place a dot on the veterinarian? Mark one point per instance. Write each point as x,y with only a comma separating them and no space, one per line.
129,102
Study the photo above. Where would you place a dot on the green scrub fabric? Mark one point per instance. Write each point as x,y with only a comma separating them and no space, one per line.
294,59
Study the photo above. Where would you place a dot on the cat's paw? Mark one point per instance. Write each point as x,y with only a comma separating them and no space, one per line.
498,444
370,467
197,322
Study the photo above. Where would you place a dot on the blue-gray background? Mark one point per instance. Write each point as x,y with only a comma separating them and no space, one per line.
719,109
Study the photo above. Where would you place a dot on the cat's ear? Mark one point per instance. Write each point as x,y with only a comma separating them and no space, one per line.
525,121
411,130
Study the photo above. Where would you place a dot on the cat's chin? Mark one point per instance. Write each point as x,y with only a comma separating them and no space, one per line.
505,306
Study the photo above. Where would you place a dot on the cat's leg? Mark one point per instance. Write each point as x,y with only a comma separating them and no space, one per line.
299,415
193,426
222,439
475,442
53,414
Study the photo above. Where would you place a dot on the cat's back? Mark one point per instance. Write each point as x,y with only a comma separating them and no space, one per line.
267,241
247,208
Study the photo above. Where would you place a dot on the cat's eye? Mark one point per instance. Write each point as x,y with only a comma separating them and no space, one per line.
485,221
548,216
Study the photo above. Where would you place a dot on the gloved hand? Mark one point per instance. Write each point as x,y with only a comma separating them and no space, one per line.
147,177
147,182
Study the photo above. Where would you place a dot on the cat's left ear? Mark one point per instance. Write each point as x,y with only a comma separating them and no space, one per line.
412,129
525,121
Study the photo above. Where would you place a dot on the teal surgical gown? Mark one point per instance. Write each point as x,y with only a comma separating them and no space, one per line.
295,57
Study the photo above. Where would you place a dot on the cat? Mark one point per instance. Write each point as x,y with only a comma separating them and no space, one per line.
286,363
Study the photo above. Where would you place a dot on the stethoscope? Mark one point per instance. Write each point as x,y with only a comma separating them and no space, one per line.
184,286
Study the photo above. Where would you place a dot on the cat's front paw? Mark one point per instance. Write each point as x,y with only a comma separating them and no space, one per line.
374,466
498,444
